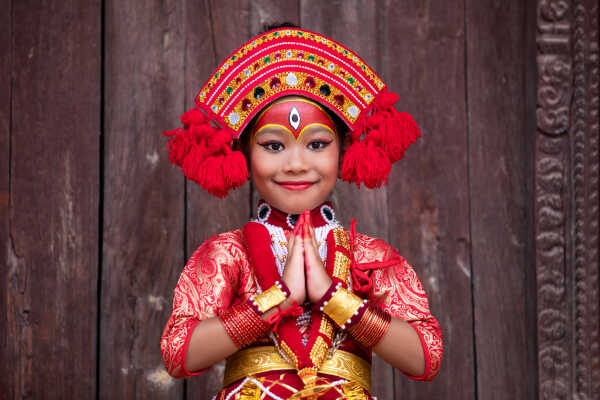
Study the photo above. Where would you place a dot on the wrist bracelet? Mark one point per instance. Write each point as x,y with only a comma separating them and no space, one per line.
371,327
342,306
244,325
272,297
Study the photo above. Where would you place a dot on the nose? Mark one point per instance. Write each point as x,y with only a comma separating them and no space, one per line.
295,162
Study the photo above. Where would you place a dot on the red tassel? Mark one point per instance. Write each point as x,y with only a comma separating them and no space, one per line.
193,117
204,154
365,162
220,172
380,138
235,168
395,134
386,99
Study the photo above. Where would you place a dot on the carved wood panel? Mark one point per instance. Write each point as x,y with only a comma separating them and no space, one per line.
566,199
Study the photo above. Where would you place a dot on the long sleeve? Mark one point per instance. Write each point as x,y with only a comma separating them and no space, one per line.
397,290
207,286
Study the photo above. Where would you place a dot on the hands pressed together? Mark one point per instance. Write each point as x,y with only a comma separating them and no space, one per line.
306,279
304,272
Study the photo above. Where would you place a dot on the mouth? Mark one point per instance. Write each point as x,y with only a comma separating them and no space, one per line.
293,185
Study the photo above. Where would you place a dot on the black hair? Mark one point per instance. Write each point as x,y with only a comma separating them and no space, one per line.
270,27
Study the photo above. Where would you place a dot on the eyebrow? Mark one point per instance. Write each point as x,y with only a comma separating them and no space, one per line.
271,130
317,128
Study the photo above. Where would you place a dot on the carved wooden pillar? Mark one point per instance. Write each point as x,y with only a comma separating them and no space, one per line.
566,199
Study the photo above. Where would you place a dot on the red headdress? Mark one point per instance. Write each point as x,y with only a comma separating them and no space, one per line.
283,62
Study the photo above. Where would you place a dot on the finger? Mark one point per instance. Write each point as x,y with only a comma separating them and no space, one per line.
291,239
308,218
308,262
307,233
297,226
298,245
296,232
306,222
311,229
310,236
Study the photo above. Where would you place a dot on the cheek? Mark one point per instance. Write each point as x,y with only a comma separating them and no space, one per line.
330,162
257,163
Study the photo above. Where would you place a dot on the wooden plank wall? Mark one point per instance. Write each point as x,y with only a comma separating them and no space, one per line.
499,99
97,225
429,220
51,112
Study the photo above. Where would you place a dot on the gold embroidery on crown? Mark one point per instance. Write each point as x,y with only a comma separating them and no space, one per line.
247,49
283,86
332,67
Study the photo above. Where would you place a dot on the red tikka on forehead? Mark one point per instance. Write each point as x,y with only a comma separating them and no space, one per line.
294,115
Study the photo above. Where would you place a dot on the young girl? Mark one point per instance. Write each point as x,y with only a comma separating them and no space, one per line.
294,302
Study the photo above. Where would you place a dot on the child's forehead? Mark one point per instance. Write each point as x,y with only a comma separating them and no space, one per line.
277,131
294,115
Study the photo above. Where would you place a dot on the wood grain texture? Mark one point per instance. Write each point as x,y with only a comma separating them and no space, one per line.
143,249
213,30
51,259
366,205
9,350
428,192
264,13
501,187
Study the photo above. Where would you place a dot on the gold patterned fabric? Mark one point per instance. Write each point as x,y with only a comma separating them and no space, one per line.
256,360
219,274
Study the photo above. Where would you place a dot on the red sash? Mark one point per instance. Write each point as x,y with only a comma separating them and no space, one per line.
306,359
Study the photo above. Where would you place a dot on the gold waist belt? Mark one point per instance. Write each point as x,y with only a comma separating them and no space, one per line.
266,358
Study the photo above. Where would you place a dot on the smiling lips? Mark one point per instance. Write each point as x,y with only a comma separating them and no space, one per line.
300,185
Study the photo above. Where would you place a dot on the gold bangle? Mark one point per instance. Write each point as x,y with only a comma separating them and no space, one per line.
342,306
270,298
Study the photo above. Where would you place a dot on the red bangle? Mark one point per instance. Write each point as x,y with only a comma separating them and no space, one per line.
244,325
371,327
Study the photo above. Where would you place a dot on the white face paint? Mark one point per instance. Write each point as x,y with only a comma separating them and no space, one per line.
294,118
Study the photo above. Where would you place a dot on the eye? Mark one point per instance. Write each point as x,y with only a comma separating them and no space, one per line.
318,144
272,147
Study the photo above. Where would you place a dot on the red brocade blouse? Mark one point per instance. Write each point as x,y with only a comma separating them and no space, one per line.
219,274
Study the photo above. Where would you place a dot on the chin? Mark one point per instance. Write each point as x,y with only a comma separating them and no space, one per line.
294,206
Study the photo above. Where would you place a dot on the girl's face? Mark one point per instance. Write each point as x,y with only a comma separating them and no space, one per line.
294,155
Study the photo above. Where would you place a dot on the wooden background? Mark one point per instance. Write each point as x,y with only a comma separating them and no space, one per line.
496,206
